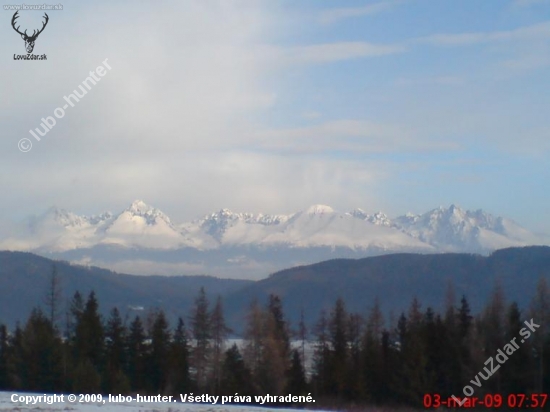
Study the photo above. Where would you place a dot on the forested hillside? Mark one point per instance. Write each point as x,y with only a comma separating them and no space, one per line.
25,278
421,359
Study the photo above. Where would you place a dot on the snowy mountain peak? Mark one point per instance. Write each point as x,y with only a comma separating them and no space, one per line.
319,210
379,218
223,214
359,213
456,211
456,229
97,219
62,217
139,207
140,225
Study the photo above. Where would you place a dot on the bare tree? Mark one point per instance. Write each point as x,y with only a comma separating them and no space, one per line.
53,296
302,335
220,331
254,336
201,328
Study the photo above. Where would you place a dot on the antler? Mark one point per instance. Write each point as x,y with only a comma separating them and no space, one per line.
34,36
15,17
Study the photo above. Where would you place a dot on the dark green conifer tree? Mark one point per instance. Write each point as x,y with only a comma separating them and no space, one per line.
517,370
296,383
339,353
158,361
178,380
236,377
4,354
115,380
135,367
41,354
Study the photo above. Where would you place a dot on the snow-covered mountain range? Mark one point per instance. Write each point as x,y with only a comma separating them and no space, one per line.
354,233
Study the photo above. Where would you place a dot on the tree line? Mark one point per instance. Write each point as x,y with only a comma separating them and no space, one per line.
83,352
351,358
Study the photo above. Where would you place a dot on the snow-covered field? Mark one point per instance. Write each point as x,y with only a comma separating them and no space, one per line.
7,405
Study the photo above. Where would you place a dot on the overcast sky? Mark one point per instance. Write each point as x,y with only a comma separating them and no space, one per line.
275,105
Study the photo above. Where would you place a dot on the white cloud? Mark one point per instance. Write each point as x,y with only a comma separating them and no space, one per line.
351,136
187,185
330,16
282,57
182,77
535,31
311,114
333,52
183,119
439,80
533,57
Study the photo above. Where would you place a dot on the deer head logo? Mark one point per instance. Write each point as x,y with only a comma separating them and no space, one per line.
29,40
